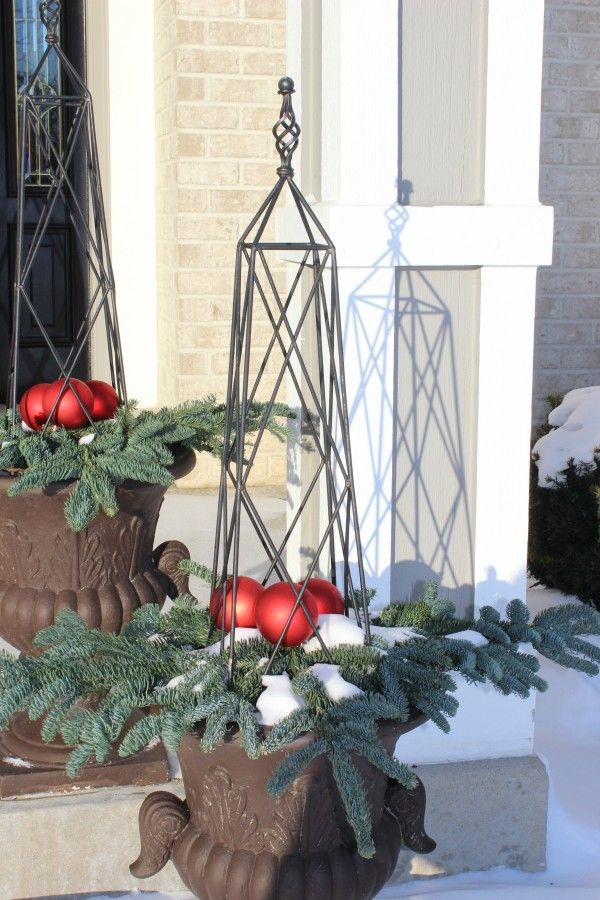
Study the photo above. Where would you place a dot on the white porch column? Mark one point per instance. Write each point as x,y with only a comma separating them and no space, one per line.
437,293
120,64
512,152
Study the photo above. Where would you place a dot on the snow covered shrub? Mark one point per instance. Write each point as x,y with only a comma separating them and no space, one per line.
564,535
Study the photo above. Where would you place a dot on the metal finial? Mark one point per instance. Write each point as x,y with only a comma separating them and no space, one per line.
286,130
50,16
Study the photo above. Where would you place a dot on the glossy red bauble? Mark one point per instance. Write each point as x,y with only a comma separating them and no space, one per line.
273,608
31,407
68,412
106,400
329,599
248,592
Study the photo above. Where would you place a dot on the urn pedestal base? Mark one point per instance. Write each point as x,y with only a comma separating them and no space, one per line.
29,765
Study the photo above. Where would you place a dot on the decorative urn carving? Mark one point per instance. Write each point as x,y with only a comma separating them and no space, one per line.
104,572
230,838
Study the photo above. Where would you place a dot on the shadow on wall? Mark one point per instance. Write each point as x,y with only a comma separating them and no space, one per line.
398,332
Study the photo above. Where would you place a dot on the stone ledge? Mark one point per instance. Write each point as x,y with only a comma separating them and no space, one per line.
76,844
482,814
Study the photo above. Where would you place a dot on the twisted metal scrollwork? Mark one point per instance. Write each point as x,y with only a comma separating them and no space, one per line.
50,16
286,130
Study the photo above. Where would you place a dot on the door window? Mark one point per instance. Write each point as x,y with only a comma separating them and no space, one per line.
29,48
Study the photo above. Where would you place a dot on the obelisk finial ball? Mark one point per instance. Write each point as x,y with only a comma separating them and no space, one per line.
286,85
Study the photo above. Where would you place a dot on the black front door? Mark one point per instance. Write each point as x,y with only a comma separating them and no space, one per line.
57,282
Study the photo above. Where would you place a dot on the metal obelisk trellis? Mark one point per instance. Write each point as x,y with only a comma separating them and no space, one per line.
43,117
321,396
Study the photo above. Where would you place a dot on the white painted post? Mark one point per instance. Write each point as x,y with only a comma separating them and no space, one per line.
120,60
512,149
507,237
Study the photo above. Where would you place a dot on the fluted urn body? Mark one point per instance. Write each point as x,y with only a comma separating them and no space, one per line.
230,838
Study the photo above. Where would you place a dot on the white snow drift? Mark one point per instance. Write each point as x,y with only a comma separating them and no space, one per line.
575,435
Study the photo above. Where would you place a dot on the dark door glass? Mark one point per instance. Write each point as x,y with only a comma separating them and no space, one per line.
57,281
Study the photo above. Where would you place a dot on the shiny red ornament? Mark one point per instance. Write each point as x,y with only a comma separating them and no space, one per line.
329,599
272,611
106,400
31,407
248,592
68,412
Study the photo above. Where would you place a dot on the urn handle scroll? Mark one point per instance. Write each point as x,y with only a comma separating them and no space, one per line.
162,818
166,559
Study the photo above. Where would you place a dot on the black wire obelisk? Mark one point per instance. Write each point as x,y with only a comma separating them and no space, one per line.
55,131
321,396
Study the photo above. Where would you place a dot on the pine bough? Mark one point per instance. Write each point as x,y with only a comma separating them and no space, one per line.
87,684
130,446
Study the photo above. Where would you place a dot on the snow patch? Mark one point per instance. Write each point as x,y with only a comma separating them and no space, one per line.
394,635
335,629
278,699
474,637
241,634
87,438
575,435
336,687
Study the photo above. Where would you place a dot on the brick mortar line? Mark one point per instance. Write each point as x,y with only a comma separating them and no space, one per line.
585,33
230,76
244,48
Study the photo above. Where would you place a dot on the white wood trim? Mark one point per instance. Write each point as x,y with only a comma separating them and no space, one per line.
507,315
96,41
508,299
513,107
122,85
428,236
360,101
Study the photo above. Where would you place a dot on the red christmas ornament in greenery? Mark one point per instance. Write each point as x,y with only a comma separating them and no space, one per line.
68,412
31,407
248,592
329,599
106,400
273,609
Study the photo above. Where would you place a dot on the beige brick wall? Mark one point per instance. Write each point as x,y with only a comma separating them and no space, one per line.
217,66
567,344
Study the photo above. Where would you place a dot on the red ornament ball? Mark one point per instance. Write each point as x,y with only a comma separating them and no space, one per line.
273,609
68,412
106,400
329,599
248,592
31,407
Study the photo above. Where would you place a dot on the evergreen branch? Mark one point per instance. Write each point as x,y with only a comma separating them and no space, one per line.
290,767
354,798
131,446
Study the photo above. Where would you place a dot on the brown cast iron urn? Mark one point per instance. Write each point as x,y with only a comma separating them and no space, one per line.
230,839
104,573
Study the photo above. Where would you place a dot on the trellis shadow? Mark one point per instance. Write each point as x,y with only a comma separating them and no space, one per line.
393,329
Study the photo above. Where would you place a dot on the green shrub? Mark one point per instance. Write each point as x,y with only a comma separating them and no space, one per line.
564,538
